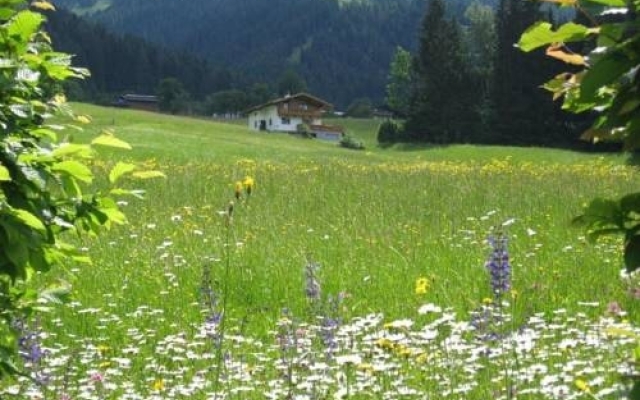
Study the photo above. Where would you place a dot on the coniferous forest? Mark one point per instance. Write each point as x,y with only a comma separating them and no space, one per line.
449,68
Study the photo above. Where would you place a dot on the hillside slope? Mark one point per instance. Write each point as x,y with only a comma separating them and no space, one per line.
342,49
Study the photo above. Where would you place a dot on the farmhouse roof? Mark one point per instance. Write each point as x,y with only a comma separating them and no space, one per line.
305,97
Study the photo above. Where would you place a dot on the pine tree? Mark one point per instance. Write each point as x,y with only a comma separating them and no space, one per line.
524,115
440,110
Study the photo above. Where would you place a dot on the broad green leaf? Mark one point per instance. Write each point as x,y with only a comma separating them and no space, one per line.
114,215
630,203
75,169
27,218
605,71
18,253
541,34
635,391
6,13
71,187
632,141
610,3
148,174
119,170
68,149
4,174
632,254
45,134
25,24
629,106
111,141
602,211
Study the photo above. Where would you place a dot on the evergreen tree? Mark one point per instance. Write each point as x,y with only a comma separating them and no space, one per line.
524,116
291,83
399,82
172,97
441,106
479,43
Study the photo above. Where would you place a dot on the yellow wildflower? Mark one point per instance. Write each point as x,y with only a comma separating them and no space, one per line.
385,343
366,368
103,350
249,184
422,285
582,385
422,358
158,384
83,119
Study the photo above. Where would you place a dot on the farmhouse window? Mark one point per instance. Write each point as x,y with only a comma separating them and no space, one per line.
285,121
270,122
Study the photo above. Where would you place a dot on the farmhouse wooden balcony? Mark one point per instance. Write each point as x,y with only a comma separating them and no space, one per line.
299,112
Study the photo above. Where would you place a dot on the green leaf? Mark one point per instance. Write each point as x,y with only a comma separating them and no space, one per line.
27,218
607,70
114,215
541,34
148,174
69,149
25,24
632,254
630,203
4,174
610,3
111,141
635,391
6,13
119,170
45,134
75,169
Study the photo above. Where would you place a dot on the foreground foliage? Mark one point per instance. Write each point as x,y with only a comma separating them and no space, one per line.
43,174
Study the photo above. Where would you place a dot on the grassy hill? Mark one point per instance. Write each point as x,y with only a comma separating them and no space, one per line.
182,139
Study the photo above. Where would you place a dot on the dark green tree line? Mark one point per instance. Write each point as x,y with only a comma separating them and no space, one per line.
443,88
471,84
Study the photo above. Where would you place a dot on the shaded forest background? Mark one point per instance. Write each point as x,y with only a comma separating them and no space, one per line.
465,82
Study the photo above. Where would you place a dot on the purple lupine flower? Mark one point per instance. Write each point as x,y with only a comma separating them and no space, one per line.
498,266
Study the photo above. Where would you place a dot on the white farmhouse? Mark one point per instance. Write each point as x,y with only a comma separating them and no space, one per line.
286,114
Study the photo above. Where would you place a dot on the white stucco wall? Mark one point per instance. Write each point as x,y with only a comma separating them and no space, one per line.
264,114
273,122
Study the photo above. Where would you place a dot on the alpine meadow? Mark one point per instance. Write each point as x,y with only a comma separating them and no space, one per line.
453,238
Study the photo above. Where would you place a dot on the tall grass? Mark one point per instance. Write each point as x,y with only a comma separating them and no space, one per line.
375,222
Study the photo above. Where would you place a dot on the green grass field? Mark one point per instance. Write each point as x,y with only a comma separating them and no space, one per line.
375,221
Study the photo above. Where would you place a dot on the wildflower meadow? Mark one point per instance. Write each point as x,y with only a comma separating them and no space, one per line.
267,266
